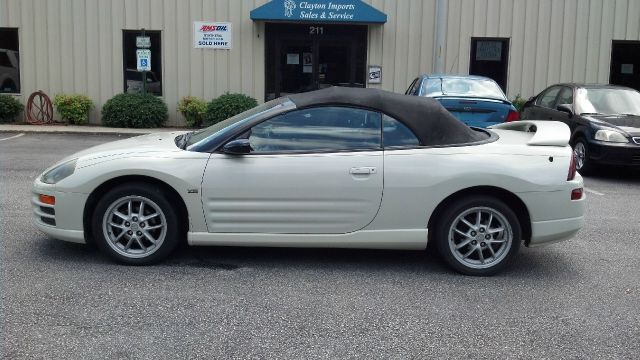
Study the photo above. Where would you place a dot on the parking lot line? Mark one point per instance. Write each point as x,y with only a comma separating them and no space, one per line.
12,137
593,191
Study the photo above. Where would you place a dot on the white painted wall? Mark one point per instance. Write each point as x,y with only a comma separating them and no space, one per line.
76,45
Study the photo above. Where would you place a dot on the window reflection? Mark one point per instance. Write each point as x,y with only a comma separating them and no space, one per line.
462,86
318,129
133,78
396,133
9,61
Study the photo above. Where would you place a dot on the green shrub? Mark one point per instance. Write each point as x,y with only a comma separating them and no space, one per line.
227,106
518,103
134,111
73,108
10,108
193,110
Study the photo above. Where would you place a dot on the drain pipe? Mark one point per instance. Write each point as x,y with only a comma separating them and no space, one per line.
441,37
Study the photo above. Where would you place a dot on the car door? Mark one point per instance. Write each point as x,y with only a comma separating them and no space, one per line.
565,98
544,106
316,170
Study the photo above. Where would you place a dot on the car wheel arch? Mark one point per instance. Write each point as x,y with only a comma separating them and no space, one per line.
510,199
112,183
579,132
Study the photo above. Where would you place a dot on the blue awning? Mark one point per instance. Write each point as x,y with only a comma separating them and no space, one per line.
319,11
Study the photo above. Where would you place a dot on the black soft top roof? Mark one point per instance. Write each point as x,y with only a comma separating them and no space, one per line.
432,123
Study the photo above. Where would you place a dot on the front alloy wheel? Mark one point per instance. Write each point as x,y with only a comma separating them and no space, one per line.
583,164
136,224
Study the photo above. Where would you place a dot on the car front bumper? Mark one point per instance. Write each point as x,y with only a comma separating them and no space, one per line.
607,153
64,219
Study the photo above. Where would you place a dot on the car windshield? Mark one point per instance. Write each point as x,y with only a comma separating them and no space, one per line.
462,87
607,101
228,124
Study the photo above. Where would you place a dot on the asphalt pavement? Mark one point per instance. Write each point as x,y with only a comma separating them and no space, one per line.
575,299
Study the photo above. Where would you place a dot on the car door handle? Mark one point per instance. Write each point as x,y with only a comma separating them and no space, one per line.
365,170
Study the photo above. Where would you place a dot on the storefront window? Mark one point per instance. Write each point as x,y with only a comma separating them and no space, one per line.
9,61
302,58
133,79
490,58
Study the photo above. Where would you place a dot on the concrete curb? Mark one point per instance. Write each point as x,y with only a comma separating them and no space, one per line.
89,130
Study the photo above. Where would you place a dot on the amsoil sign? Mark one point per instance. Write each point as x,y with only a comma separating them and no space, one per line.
334,11
212,35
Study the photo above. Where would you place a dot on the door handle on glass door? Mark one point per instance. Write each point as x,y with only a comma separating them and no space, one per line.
366,170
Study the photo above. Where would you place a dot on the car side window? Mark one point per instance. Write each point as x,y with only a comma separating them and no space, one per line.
548,98
431,87
395,133
412,88
566,96
318,129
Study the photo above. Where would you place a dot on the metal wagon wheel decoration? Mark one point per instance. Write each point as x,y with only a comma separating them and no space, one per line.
39,109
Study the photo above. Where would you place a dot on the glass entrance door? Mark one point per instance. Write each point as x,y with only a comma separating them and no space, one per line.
303,58
296,67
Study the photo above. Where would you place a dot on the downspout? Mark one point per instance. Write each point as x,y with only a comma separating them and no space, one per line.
441,37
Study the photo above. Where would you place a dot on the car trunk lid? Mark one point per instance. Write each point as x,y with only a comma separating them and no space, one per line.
477,112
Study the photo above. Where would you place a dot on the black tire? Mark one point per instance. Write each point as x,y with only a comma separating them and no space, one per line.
587,165
156,202
503,253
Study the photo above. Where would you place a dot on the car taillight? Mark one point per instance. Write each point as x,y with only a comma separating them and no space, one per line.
576,194
572,167
513,116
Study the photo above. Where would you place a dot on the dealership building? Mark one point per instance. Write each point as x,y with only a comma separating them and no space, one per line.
267,49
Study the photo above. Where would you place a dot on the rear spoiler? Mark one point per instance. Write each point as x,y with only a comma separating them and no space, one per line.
547,133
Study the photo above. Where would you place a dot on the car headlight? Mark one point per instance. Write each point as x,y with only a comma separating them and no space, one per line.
59,172
611,136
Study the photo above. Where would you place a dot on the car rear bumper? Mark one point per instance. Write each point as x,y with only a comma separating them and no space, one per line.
551,231
554,215
614,154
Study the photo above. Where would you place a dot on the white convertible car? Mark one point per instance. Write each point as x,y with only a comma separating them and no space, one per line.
344,168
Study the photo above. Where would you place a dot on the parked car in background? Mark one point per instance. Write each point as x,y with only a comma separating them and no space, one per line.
9,71
604,121
135,84
475,100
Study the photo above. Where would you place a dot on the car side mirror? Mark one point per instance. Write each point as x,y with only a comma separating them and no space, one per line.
237,147
566,108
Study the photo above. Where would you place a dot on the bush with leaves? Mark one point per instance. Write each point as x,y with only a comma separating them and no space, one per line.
227,106
73,108
10,108
518,103
134,111
193,109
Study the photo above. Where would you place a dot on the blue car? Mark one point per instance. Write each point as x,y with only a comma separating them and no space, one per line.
475,100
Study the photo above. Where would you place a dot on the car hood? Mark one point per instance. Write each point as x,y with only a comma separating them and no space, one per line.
629,124
150,144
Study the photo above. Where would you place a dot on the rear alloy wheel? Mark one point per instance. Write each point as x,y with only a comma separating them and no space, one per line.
583,164
135,224
478,235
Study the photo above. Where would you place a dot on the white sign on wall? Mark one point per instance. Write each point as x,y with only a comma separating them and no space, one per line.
212,35
489,50
143,57
143,42
375,74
